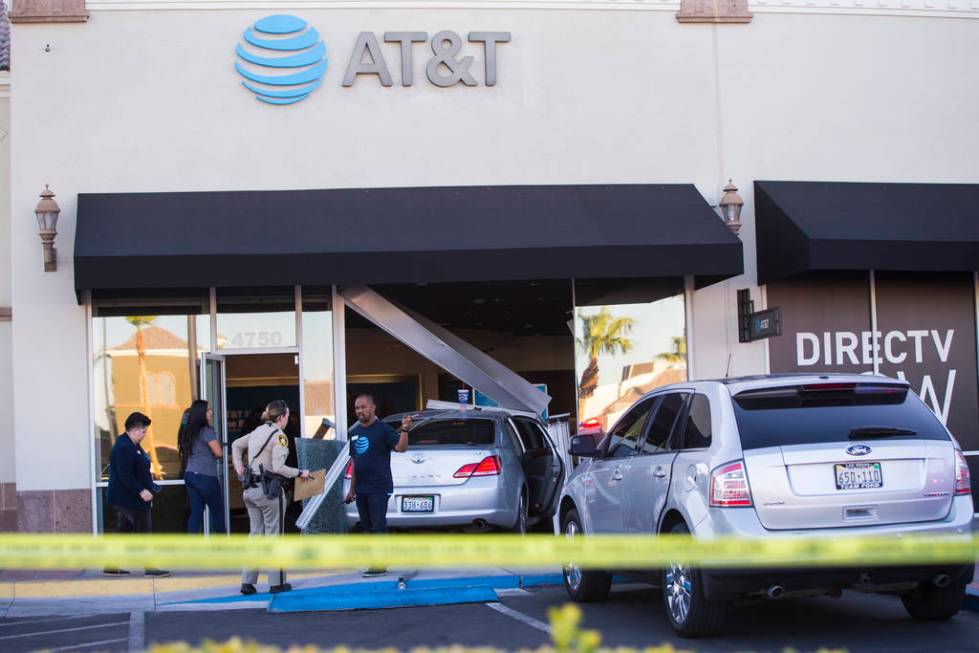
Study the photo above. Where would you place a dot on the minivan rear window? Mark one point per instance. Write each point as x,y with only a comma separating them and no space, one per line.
812,414
453,432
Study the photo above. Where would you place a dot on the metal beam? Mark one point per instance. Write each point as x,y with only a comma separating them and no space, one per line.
451,353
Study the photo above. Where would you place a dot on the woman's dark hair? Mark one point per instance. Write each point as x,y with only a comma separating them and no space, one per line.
194,420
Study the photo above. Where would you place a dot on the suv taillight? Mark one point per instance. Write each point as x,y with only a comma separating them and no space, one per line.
350,470
963,484
729,486
488,466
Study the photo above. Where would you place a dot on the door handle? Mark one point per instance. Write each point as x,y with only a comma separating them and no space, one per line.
617,474
659,472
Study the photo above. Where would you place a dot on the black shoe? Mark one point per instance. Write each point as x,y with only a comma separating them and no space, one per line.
157,573
114,571
248,588
277,589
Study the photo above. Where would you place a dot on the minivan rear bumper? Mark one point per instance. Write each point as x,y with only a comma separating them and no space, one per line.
730,584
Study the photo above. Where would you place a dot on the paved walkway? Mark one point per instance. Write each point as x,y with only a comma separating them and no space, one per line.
30,594
47,593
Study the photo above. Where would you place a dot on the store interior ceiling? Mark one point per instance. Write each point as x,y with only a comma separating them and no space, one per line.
517,308
522,308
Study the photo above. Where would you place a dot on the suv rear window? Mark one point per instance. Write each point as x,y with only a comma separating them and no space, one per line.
812,414
453,432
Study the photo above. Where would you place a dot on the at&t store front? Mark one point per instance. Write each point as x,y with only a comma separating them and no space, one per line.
304,201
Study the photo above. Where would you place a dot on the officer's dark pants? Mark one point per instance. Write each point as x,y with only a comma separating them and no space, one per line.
373,511
133,521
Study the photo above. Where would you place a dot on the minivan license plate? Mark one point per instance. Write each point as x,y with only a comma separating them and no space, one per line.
858,476
417,504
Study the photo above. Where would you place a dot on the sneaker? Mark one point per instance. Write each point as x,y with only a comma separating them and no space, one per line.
114,571
277,589
157,573
374,572
248,588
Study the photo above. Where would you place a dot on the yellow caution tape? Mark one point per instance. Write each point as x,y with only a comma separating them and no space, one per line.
24,551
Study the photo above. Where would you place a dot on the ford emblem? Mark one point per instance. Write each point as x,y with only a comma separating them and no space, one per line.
858,450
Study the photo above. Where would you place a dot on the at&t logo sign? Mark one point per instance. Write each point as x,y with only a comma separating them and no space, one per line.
282,59
289,54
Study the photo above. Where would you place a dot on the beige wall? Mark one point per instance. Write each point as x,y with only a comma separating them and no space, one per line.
6,353
148,101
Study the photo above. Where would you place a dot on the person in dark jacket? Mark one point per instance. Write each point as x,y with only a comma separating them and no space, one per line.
131,486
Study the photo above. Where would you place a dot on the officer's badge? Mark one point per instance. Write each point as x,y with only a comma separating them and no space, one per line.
283,442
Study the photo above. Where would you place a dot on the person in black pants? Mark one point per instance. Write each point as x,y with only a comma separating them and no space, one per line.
371,483
131,486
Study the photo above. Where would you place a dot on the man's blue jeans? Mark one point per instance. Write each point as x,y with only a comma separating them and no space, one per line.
373,511
204,490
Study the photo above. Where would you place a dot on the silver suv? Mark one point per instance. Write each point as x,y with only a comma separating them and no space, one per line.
774,456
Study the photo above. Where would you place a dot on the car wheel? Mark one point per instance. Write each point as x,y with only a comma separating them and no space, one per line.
523,521
934,603
689,612
583,585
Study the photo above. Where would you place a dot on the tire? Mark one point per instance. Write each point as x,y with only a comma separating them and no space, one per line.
935,604
690,614
583,585
522,524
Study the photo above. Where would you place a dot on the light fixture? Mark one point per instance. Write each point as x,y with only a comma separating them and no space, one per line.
731,204
47,212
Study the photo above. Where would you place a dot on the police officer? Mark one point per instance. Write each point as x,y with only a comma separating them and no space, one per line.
267,448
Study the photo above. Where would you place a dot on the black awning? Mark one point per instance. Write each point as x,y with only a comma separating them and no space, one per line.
809,226
399,235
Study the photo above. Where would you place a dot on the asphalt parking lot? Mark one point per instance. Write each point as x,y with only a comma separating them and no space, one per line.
632,617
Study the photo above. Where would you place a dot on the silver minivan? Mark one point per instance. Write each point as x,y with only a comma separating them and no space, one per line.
774,456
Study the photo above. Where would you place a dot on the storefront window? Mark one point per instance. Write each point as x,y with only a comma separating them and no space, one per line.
623,351
145,359
317,360
256,318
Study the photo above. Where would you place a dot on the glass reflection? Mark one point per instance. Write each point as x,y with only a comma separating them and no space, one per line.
623,351
146,363
256,318
317,358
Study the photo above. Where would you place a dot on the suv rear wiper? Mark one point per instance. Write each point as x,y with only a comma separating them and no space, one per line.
879,432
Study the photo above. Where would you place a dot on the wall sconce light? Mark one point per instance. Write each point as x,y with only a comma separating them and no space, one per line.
47,212
731,204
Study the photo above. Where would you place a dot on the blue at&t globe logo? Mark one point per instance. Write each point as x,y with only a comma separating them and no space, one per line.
281,59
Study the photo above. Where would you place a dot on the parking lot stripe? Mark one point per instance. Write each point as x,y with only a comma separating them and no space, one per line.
75,647
520,616
65,630
137,631
32,620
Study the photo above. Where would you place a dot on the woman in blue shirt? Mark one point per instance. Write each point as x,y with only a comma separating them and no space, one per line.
199,451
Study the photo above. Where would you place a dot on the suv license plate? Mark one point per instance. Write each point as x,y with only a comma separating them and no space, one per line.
417,504
858,476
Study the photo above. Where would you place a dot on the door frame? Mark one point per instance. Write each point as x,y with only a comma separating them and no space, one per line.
221,357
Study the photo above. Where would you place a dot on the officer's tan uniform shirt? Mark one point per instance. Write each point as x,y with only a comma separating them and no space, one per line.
272,458
264,514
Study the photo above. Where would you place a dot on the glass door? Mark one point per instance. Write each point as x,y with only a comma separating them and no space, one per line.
213,390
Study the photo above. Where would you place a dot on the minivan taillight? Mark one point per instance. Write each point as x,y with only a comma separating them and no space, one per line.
350,470
963,484
729,486
488,466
